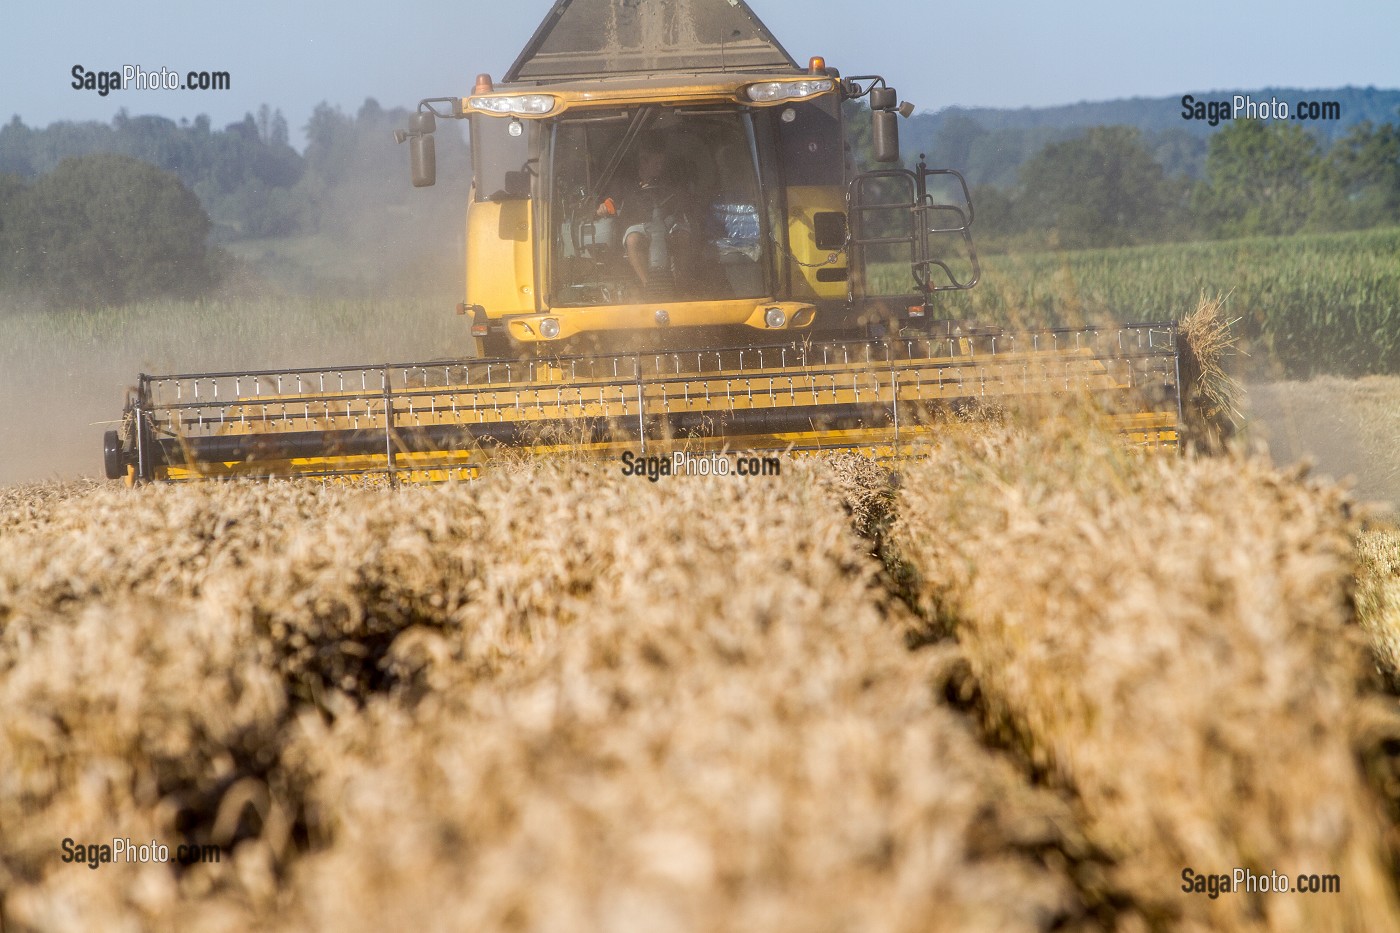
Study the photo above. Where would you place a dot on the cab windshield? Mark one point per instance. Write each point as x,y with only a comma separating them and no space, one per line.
655,204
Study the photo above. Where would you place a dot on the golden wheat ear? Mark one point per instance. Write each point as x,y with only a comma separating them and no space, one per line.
1210,396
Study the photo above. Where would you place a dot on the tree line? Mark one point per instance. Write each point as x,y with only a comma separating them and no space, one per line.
1262,178
94,213
990,145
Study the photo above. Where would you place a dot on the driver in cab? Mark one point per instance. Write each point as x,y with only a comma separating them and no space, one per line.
653,218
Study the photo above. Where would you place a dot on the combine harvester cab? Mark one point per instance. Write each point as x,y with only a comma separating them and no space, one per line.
668,246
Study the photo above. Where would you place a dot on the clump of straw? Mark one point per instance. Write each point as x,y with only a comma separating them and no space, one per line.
1210,395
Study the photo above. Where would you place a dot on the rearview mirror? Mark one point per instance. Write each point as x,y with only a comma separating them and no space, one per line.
422,152
884,129
885,135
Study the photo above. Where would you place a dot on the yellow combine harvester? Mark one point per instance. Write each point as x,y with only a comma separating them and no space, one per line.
668,247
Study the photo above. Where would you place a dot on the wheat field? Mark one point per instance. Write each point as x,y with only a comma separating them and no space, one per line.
1017,682
1021,679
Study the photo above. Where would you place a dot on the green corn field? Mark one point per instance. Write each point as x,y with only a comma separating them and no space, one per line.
1306,305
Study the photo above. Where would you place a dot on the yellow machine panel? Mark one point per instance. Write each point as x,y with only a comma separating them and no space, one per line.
500,257
816,271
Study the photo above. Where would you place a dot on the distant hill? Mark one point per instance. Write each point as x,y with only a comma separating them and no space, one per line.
989,144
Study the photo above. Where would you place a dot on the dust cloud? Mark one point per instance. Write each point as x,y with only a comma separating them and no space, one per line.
1347,429
377,284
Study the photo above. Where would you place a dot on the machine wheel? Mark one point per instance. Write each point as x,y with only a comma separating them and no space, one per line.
112,455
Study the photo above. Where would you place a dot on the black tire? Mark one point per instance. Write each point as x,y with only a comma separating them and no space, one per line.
114,464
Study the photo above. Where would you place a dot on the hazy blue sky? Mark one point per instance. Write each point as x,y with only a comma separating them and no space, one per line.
1010,54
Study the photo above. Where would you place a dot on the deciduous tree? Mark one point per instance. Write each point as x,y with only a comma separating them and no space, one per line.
1099,189
107,229
1261,179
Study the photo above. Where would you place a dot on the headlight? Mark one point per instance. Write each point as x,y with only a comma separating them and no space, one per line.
774,317
521,103
788,90
549,328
